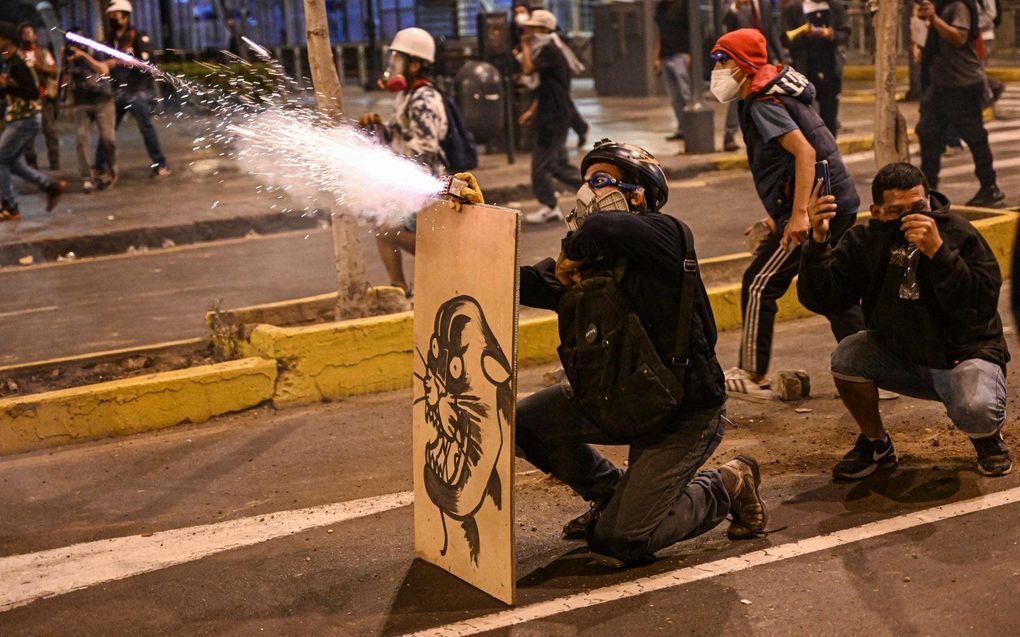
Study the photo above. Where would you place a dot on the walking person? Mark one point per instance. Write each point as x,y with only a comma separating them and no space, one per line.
929,284
955,94
672,57
45,66
135,88
550,113
91,88
819,50
784,136
21,123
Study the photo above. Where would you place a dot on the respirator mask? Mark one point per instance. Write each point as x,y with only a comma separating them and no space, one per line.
725,86
589,203
394,79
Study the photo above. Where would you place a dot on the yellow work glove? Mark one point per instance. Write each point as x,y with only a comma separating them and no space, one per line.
369,119
473,192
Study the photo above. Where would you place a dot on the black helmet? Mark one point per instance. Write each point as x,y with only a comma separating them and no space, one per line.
636,163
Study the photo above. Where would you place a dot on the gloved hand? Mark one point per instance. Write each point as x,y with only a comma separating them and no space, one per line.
568,271
369,119
473,192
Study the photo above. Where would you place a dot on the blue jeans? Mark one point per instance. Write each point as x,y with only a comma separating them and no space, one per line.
661,499
139,105
676,78
974,392
16,137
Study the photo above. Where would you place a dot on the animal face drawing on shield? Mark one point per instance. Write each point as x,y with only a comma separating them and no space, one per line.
468,400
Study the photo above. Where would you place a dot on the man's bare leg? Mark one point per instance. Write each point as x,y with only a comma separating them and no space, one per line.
390,241
861,400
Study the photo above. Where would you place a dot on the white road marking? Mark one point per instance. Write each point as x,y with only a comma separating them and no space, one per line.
34,310
54,572
687,575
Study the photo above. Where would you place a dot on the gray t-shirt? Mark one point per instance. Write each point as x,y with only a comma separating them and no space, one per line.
772,119
956,66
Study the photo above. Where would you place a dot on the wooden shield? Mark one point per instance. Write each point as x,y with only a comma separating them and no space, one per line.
466,288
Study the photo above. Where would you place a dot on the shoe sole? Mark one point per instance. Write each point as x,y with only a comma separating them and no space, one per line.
870,469
733,532
994,474
749,397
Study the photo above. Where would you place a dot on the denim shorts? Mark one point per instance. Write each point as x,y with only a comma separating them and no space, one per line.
974,392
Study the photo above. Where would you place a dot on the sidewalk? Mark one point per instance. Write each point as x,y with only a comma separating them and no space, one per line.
209,198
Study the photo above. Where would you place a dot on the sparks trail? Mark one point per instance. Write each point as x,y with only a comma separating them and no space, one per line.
293,148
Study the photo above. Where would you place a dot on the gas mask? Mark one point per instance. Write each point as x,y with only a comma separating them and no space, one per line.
725,87
589,203
394,79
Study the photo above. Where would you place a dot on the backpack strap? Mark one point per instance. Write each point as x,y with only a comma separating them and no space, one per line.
680,359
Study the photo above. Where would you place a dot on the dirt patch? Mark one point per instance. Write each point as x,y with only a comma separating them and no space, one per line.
86,372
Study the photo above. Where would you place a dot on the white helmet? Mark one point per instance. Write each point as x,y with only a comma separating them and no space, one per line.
120,5
415,42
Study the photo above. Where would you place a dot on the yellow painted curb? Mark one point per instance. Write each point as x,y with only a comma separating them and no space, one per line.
133,405
333,360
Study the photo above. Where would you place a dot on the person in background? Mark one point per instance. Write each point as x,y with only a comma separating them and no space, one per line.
416,129
929,284
530,82
955,95
819,50
749,14
45,66
550,114
672,57
21,123
135,88
91,88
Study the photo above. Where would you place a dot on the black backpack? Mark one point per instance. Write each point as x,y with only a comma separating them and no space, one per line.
459,143
616,376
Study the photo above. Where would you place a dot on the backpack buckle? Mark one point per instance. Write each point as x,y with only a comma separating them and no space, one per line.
676,361
690,265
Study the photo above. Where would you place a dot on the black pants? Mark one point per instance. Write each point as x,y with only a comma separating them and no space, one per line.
664,496
549,160
769,277
828,86
577,123
960,107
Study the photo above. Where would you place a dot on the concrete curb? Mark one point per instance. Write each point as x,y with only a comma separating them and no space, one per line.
134,405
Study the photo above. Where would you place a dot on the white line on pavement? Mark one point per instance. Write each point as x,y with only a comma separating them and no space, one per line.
699,572
34,310
54,572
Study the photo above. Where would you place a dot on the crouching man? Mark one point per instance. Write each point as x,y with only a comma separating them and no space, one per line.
929,287
654,383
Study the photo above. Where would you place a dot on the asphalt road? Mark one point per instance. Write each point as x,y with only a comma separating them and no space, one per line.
886,571
107,303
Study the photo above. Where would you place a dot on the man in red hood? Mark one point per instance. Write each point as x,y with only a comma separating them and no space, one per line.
784,137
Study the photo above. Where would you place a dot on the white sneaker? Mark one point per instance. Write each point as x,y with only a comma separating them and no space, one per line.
544,214
739,385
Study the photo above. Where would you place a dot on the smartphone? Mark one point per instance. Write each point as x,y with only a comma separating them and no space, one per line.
822,172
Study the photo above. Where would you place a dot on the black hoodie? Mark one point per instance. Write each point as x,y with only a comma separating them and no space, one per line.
956,316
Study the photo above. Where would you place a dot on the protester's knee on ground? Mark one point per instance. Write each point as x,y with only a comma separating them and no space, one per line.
629,550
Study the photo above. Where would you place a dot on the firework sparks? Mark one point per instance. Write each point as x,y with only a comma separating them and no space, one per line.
112,52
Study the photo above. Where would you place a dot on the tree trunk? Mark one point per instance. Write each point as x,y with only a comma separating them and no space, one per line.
352,286
891,143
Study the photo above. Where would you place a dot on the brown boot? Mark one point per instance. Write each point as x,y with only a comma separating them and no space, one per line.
53,194
741,478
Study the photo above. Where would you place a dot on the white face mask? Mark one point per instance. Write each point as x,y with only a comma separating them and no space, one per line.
588,203
725,87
